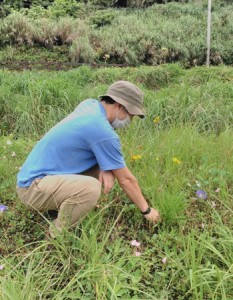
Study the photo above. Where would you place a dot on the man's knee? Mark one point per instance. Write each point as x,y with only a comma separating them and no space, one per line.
85,192
94,190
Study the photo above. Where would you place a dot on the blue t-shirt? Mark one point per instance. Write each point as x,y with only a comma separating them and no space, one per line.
80,141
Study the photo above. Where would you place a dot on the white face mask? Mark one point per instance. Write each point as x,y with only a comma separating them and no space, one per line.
117,123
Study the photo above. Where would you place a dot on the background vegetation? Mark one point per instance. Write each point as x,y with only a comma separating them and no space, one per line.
94,32
33,102
185,144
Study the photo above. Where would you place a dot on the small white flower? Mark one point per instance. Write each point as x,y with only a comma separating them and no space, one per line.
1,267
13,154
217,190
8,142
213,204
202,225
164,260
198,184
137,253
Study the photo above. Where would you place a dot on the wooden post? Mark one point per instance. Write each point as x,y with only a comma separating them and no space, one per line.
208,34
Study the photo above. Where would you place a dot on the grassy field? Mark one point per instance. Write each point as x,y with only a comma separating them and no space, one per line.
184,146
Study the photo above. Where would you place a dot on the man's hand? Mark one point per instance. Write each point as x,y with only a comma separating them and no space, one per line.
107,178
153,216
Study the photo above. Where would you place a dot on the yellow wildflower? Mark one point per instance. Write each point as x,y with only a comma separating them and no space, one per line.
176,160
156,120
135,157
157,158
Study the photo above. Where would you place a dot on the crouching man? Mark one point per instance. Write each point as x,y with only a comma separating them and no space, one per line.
67,167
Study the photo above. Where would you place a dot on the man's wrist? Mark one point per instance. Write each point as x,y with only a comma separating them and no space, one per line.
147,211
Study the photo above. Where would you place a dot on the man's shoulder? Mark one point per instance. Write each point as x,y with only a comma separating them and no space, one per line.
95,118
101,129
87,106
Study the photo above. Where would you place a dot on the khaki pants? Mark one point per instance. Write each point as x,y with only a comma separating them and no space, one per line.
72,195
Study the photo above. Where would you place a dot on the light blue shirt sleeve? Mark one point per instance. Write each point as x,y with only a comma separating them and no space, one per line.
108,154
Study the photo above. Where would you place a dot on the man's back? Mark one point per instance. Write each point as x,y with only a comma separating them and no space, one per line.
72,146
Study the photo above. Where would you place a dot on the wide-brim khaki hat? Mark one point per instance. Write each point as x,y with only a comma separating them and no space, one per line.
128,95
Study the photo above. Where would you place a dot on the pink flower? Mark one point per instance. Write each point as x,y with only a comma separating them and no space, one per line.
1,267
135,243
137,253
164,260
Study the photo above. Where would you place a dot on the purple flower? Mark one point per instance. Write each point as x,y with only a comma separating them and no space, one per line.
3,208
201,194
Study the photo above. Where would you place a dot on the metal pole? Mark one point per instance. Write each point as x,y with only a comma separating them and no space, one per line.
208,34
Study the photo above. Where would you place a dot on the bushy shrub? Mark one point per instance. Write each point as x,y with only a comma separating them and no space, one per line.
44,33
19,29
102,3
121,44
68,30
35,12
221,43
143,3
61,32
5,10
18,4
16,29
63,8
82,51
101,18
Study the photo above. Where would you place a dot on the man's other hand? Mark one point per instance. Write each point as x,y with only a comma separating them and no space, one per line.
153,216
107,179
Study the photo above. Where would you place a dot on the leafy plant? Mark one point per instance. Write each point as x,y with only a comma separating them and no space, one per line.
63,8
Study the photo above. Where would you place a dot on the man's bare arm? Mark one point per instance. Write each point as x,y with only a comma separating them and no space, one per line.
130,186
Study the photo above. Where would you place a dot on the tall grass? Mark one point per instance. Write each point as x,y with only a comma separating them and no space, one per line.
33,102
100,264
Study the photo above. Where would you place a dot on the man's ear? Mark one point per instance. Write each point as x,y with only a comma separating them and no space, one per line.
119,105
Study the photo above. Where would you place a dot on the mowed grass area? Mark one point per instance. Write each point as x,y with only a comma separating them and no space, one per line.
184,145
